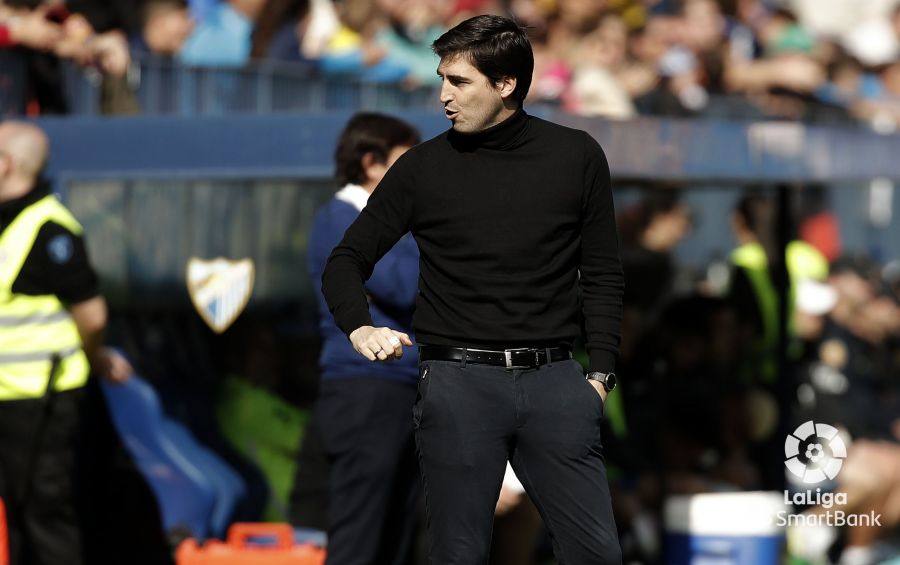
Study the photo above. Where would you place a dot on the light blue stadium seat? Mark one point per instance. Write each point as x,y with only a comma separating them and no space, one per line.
187,496
228,484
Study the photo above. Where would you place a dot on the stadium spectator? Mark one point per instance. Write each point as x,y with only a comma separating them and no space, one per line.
28,28
62,35
650,230
223,37
848,379
354,51
21,28
280,30
165,26
412,26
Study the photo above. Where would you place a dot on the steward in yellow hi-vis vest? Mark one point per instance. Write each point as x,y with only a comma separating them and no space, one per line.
753,289
51,333
37,334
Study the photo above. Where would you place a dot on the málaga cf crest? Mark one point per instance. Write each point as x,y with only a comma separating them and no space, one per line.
220,289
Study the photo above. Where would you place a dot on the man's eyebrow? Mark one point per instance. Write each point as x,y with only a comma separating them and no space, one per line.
452,77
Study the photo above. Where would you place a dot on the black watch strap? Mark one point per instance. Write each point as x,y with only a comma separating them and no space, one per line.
608,380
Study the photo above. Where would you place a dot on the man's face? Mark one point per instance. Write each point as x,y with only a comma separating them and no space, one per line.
167,29
375,171
471,102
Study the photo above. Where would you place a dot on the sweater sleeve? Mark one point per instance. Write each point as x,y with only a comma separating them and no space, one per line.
378,227
395,280
601,278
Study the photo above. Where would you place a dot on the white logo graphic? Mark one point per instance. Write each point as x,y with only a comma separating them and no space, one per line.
220,289
823,452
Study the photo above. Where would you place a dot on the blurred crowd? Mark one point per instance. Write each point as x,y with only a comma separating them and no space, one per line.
706,397
788,59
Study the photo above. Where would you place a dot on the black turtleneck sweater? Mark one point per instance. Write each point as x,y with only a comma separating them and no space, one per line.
505,220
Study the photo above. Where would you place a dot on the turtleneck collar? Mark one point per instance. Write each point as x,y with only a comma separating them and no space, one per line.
499,136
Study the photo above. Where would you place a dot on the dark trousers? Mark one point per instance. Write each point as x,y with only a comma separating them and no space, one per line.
367,434
38,488
470,419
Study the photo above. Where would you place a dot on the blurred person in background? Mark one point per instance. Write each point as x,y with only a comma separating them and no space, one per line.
850,381
354,51
28,28
650,230
681,91
411,27
757,267
74,38
280,31
165,27
224,37
752,287
51,337
775,66
851,376
597,87
363,411
21,28
870,477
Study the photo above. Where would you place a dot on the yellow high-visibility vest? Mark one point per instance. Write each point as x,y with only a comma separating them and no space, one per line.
803,262
35,331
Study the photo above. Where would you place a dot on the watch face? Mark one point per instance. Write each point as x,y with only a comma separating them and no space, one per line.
610,381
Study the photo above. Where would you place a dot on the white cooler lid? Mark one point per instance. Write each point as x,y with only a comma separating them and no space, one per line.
725,514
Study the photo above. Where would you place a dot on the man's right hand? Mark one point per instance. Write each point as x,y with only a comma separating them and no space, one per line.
379,344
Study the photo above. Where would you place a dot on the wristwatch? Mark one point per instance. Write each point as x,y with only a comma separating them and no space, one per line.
608,380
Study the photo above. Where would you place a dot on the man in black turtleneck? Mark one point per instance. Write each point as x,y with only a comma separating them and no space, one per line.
514,220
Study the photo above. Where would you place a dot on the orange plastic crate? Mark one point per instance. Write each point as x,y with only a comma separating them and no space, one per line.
236,551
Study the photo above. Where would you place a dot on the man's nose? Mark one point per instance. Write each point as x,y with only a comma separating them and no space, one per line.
446,96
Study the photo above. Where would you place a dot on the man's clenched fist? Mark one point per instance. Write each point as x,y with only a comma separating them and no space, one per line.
379,344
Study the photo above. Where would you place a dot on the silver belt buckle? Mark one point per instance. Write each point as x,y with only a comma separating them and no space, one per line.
507,354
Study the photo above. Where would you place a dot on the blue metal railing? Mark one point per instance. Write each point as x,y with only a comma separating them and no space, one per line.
164,87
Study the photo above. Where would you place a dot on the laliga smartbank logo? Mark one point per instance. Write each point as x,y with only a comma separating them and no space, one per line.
814,453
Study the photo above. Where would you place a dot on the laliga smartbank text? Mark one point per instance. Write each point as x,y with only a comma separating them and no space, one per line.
831,516
814,453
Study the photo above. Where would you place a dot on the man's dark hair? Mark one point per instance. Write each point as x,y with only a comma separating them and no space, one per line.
373,133
498,47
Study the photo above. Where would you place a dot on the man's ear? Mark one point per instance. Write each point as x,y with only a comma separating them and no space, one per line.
369,160
506,86
6,164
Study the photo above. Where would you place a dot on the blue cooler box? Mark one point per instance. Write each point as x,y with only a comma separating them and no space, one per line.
724,529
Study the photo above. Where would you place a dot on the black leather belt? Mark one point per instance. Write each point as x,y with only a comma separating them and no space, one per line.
518,358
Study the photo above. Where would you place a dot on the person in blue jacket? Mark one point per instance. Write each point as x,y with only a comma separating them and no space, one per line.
364,410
